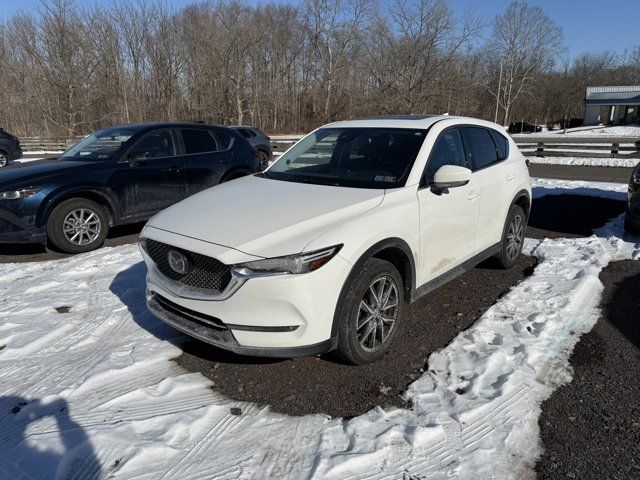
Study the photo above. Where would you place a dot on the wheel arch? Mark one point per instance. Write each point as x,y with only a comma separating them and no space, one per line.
395,251
236,169
89,194
523,200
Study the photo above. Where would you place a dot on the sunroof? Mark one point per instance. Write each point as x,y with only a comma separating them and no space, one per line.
405,117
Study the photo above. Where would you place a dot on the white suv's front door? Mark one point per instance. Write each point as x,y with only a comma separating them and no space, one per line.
448,219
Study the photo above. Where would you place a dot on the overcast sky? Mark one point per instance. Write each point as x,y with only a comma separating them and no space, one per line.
589,25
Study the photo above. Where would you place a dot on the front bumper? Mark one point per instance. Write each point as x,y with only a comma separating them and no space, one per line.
281,316
18,223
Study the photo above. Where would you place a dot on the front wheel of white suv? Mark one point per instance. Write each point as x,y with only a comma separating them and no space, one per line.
370,312
512,238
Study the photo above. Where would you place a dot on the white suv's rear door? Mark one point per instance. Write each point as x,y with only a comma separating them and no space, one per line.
495,178
449,219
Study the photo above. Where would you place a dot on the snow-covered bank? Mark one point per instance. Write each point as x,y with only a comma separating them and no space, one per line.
87,385
588,162
588,131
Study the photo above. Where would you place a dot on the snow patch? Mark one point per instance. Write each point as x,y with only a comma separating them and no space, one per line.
589,162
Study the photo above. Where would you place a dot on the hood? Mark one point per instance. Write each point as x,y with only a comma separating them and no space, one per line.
264,217
32,174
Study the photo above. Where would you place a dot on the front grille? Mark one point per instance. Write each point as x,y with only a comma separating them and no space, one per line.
207,273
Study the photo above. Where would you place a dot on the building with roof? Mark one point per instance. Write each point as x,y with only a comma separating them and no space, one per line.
612,105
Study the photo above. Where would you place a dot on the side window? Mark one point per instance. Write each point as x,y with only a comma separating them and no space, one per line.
502,144
244,132
482,150
446,151
157,144
198,141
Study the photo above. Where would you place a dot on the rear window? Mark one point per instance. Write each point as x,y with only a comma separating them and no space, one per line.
198,141
482,149
502,144
224,139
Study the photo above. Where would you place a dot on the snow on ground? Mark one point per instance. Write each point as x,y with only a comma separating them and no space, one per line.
87,387
590,131
592,162
27,160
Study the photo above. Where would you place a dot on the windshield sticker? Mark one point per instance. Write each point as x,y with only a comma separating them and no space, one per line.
383,178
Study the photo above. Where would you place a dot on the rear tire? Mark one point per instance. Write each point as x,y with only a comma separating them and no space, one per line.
370,313
77,225
4,159
512,238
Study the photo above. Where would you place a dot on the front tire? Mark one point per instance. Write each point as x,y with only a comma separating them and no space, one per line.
77,225
630,227
512,238
370,312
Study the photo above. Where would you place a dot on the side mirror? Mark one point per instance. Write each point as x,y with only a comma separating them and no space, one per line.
450,176
138,158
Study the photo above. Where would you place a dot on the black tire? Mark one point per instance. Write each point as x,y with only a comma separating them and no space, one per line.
4,159
629,227
512,238
232,175
90,215
264,159
354,345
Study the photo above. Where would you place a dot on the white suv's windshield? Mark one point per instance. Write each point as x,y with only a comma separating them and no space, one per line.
351,157
99,145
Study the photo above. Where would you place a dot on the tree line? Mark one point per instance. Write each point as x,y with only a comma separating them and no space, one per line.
68,69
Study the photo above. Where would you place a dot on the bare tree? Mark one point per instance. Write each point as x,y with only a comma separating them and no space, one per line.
526,43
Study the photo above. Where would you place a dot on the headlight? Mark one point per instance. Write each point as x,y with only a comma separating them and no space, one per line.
16,194
302,263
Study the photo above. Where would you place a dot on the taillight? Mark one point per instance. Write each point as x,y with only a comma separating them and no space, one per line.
256,154
12,138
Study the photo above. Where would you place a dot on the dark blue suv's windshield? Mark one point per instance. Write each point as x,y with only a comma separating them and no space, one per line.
99,145
351,157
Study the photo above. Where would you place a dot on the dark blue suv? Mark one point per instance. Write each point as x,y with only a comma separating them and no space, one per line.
116,176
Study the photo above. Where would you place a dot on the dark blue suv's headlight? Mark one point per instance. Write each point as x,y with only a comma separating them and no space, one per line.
17,194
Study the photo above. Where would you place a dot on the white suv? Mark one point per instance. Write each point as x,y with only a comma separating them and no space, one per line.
357,219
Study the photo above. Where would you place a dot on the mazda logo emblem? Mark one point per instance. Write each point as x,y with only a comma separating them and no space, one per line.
178,262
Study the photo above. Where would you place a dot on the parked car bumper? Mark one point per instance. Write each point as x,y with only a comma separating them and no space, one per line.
15,154
281,316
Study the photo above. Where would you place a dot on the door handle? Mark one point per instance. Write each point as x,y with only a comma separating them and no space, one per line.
473,195
510,177
173,169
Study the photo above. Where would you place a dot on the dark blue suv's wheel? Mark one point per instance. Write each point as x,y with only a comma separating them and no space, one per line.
4,159
77,225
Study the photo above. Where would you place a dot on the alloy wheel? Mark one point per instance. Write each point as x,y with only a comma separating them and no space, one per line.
82,226
3,160
515,237
377,313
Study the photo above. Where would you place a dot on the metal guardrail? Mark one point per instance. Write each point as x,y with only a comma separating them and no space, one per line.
580,147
